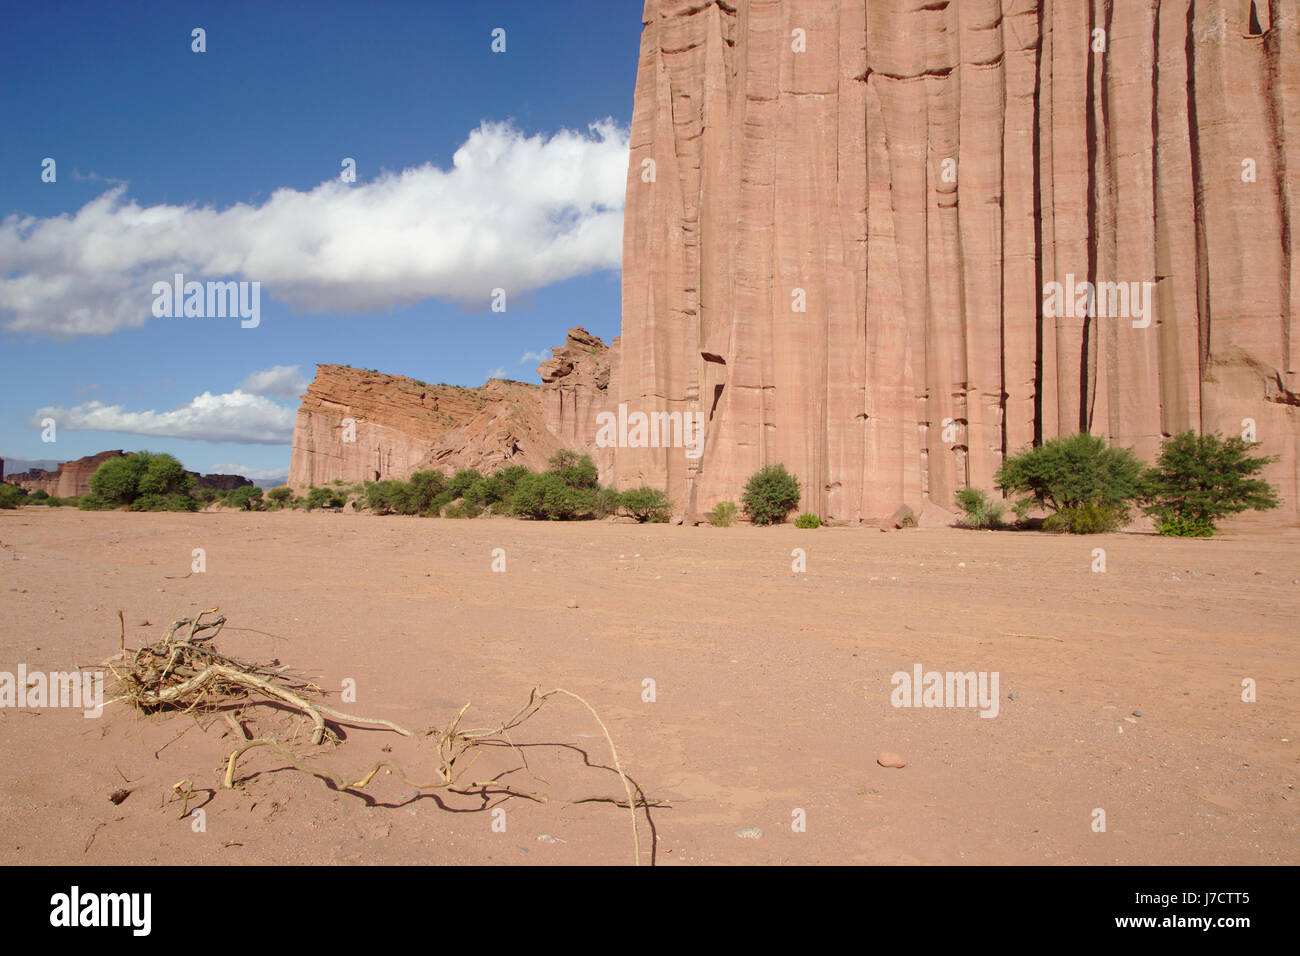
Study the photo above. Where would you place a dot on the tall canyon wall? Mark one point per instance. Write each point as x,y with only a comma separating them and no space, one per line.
912,174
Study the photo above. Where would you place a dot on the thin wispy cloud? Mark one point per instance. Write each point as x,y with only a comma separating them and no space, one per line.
513,212
279,381
234,417
248,471
534,357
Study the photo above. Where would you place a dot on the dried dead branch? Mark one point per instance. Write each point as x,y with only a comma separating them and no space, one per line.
185,672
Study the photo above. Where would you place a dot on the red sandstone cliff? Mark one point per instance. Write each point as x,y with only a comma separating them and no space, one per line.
356,425
919,172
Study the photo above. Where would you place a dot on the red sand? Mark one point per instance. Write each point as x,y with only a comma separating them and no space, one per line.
773,690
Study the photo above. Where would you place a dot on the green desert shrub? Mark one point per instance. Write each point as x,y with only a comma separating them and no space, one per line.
575,470
770,494
323,498
278,498
92,502
1087,518
463,508
170,502
647,504
607,502
546,496
383,497
1199,479
120,481
245,498
423,489
723,514
11,496
981,512
502,484
1087,483
40,494
807,520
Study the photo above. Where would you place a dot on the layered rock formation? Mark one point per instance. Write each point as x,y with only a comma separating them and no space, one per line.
356,425
842,216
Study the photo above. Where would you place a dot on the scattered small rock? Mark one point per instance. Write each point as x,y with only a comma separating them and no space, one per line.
1013,696
571,603
888,759
749,833
546,838
117,796
1137,713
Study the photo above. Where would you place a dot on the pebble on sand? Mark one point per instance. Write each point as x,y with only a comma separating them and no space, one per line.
572,603
888,759
749,833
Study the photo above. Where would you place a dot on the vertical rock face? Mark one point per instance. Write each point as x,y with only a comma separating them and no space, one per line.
579,381
357,425
844,218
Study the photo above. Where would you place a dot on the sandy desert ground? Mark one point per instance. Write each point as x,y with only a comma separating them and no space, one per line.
772,691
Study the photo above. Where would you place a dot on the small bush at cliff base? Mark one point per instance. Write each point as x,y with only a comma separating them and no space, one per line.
723,514
323,498
462,508
1086,519
770,494
11,496
606,503
1199,479
980,511
423,492
1088,483
245,498
647,504
546,496
278,498
172,502
807,520
575,470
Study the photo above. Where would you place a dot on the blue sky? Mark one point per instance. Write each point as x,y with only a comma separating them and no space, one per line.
225,165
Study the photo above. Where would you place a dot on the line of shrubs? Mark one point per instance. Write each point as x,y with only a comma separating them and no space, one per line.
1086,485
11,496
567,490
1090,487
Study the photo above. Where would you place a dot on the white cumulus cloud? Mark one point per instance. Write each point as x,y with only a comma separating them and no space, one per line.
534,357
234,416
513,212
278,381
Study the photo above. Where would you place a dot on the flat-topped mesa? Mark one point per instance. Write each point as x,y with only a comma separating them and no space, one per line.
855,207
357,425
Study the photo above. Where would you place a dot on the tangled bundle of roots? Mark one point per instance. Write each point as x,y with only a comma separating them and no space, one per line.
185,672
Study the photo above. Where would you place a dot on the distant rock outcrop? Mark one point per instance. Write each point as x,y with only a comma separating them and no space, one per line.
357,425
70,480
219,482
